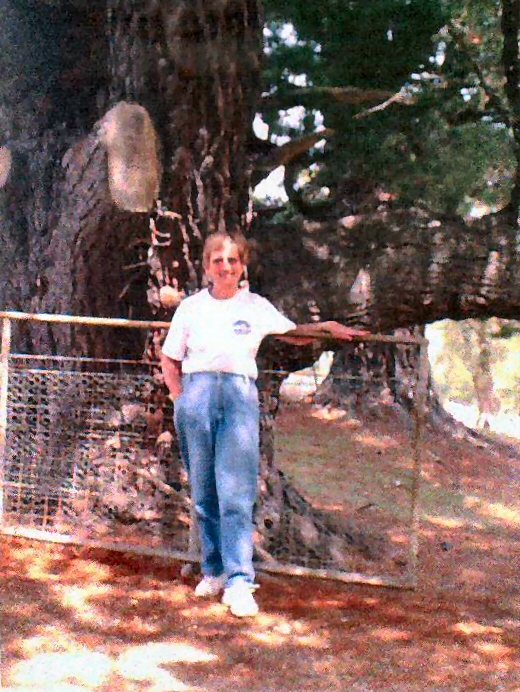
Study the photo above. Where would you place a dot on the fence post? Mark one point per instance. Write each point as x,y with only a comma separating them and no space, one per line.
418,414
4,383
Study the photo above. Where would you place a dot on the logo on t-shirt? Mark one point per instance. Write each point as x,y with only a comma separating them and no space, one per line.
241,327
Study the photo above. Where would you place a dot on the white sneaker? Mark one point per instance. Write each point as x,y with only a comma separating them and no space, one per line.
239,598
210,586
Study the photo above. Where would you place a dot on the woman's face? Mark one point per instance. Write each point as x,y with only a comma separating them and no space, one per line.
224,267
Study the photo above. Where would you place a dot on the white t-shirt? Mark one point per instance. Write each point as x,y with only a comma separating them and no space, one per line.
210,335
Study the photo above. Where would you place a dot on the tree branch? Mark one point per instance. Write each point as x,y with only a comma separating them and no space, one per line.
510,27
284,154
401,97
307,95
421,268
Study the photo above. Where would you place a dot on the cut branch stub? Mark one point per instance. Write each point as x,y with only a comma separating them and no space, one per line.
5,165
134,170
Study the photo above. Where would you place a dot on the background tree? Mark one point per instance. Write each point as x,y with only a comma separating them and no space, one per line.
431,144
444,142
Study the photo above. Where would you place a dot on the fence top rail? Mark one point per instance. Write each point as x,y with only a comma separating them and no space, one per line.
156,324
91,321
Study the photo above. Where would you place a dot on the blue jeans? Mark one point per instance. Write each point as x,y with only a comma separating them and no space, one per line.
216,419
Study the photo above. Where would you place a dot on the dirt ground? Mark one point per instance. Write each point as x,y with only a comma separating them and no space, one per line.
76,619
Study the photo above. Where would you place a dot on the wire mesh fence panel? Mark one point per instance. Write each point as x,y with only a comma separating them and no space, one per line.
80,460
89,455
358,485
346,444
76,461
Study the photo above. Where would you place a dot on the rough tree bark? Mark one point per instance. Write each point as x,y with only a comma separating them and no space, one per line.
416,267
194,67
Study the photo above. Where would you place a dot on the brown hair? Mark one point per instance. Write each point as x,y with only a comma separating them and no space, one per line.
216,241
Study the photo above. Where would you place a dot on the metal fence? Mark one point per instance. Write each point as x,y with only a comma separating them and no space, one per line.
77,466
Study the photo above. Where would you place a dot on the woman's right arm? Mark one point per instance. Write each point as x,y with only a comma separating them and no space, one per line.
172,372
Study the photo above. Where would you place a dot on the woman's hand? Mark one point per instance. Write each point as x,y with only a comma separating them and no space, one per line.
175,392
341,331
172,373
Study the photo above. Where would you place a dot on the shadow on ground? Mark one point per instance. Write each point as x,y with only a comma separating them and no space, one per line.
77,619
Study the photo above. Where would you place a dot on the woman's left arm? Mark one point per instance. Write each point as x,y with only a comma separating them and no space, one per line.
307,333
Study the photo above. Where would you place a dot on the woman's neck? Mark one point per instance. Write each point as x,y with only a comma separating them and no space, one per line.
223,293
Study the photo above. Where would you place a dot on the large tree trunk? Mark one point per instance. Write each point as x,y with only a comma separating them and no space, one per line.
147,88
194,67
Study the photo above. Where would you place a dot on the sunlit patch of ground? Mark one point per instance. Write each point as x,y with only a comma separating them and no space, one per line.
80,668
501,423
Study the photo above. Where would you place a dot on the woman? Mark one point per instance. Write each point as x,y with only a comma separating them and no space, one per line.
209,366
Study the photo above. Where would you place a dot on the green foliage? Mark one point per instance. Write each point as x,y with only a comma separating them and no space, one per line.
450,167
449,148
363,44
